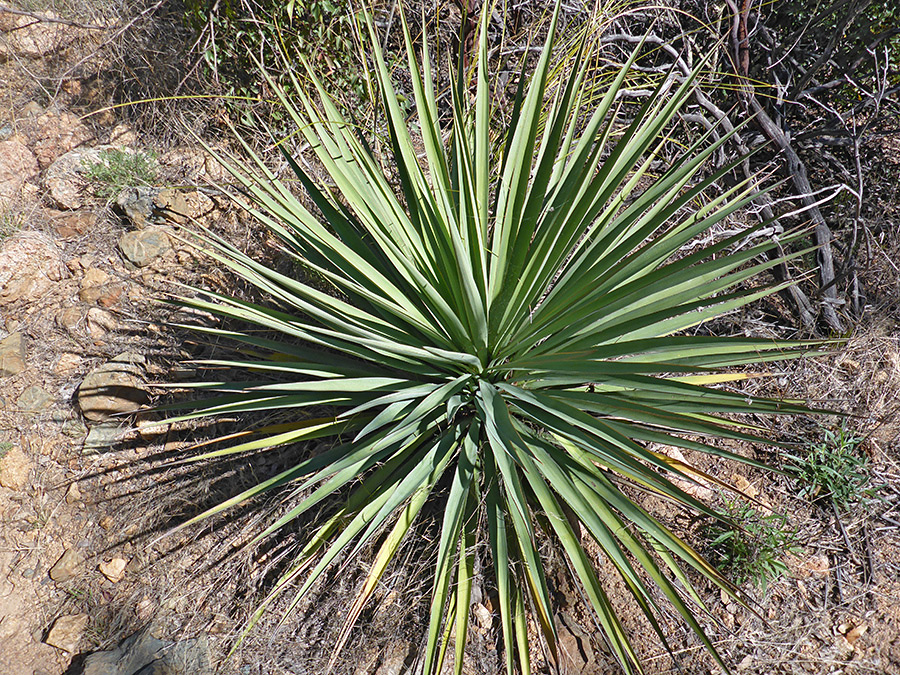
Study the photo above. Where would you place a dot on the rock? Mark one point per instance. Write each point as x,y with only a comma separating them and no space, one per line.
74,429
33,38
67,363
67,631
744,485
15,468
150,430
141,247
100,287
94,276
69,318
65,177
145,654
12,355
34,399
73,494
131,656
58,134
194,165
30,265
65,184
145,206
122,135
69,225
67,567
114,570
102,437
64,180
482,616
17,164
113,388
575,655
855,633
199,205
172,205
136,204
100,322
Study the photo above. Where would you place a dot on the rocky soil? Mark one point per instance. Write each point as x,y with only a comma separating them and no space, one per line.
77,280
83,345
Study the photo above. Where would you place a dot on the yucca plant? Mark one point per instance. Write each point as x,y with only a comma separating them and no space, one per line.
500,326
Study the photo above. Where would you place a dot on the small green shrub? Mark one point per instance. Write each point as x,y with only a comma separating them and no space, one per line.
749,546
834,470
118,169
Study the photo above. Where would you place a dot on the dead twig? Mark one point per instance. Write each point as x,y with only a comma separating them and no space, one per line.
796,170
793,294
112,38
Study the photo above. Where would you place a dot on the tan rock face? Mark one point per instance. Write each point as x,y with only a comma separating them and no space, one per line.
12,355
94,276
17,164
33,38
69,318
15,469
65,182
67,364
122,135
114,570
57,135
66,632
30,264
98,287
100,323
68,566
70,225
173,205
142,247
113,388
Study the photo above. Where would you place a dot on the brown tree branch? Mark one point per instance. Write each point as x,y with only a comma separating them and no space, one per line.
796,170
793,295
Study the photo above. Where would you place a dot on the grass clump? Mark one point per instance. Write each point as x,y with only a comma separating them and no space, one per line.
10,222
834,470
117,169
749,545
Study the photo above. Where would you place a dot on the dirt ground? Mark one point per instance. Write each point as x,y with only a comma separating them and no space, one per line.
77,302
